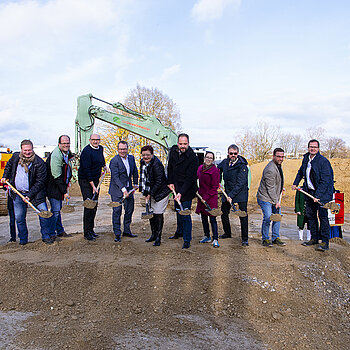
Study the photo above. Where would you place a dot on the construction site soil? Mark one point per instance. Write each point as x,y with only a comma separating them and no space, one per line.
77,294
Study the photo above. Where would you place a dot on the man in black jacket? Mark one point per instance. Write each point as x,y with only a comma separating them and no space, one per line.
92,161
27,173
59,172
234,171
182,177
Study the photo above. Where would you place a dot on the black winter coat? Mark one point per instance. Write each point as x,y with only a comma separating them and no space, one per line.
182,172
157,180
321,175
37,178
236,179
57,188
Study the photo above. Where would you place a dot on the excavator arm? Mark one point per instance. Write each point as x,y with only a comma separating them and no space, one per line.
144,125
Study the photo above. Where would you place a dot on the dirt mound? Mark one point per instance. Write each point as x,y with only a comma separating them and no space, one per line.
101,295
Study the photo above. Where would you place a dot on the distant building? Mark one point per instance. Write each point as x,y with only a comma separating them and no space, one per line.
43,151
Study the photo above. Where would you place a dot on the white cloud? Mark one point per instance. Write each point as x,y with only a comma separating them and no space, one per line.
207,10
168,72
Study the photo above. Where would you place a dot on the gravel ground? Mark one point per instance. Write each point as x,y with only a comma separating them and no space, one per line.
101,295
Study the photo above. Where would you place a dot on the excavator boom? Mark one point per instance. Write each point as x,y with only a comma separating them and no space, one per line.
146,126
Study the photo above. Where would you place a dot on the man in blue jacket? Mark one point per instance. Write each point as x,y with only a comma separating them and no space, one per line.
234,171
124,177
317,172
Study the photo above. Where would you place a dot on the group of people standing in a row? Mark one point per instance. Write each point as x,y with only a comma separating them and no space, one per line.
29,174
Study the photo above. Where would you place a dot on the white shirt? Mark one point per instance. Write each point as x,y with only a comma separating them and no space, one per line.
22,179
308,180
127,166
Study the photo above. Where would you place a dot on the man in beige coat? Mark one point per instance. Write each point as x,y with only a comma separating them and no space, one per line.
269,197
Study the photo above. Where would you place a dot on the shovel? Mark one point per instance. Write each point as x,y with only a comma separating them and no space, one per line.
118,204
236,211
43,214
277,217
330,205
213,212
148,214
182,211
91,203
66,207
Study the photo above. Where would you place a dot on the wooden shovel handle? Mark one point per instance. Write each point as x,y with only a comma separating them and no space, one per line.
23,198
223,191
175,194
203,201
308,194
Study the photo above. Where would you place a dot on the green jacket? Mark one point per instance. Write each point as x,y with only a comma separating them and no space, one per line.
300,207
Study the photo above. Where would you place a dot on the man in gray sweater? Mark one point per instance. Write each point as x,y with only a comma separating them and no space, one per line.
269,197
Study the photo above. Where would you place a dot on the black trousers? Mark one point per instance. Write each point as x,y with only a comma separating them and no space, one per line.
89,214
321,231
225,208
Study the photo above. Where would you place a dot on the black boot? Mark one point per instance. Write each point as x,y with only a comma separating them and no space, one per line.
152,222
159,219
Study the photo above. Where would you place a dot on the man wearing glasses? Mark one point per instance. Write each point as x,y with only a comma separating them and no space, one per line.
317,172
91,163
59,173
234,171
124,178
269,198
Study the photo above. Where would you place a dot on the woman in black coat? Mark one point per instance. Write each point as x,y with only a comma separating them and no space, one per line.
153,185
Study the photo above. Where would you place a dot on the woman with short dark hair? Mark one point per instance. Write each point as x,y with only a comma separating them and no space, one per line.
153,185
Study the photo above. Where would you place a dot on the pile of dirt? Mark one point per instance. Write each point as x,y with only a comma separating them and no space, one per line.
341,168
101,295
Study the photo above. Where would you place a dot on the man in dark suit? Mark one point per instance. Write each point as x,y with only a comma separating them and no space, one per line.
124,177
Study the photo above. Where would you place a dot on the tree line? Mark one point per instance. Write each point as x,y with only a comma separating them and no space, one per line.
257,144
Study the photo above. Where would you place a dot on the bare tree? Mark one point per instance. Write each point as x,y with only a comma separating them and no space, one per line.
297,145
265,138
257,145
149,102
318,133
286,142
335,148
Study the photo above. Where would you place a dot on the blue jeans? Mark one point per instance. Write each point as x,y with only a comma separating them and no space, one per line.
12,217
56,220
268,209
184,222
117,212
20,214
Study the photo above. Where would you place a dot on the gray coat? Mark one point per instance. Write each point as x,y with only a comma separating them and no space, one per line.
270,184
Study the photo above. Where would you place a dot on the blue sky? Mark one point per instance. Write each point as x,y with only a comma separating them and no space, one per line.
227,64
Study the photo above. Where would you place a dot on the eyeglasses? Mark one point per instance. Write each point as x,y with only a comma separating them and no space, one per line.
211,158
313,147
95,139
231,153
65,143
